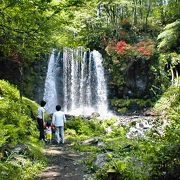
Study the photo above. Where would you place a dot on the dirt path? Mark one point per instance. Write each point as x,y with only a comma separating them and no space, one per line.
62,164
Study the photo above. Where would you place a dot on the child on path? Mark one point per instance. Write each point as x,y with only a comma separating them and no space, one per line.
58,121
48,132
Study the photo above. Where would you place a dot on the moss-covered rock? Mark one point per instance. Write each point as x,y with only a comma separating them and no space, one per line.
130,105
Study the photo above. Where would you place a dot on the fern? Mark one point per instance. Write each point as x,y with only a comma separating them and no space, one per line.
168,39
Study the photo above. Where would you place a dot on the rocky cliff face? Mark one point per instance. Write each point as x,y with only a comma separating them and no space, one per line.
137,80
9,71
34,79
133,83
34,74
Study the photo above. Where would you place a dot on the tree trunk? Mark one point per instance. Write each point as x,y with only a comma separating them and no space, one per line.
21,82
135,13
147,15
177,78
172,76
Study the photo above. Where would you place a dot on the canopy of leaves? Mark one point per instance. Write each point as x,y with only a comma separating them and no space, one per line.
104,19
30,28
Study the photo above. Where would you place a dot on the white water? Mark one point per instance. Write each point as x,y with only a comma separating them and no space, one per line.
84,86
50,94
102,103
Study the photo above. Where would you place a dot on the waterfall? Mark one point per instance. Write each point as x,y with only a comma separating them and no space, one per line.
50,94
83,83
101,83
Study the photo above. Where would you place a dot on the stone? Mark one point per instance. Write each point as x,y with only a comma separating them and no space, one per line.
93,140
100,160
100,144
20,149
95,114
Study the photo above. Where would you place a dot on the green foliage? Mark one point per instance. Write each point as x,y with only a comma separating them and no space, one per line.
82,126
169,48
32,107
17,127
119,132
29,29
169,38
169,102
108,122
86,148
7,91
89,161
124,105
20,168
153,157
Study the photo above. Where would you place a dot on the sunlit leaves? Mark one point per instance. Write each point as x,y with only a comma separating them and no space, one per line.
169,37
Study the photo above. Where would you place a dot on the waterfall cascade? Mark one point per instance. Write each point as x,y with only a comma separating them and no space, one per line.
50,93
82,83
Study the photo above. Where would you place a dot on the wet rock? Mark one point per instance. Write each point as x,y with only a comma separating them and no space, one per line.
69,116
128,147
113,174
150,113
100,160
6,150
19,159
20,149
95,115
100,144
93,140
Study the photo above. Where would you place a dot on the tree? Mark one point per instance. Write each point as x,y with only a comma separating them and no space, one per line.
28,28
169,41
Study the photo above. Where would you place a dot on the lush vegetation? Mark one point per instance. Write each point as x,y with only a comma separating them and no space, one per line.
20,151
125,106
129,33
131,37
140,43
155,156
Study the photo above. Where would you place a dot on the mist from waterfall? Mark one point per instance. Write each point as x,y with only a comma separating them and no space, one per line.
83,85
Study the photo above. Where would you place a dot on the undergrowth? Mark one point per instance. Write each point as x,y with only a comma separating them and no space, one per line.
156,156
20,151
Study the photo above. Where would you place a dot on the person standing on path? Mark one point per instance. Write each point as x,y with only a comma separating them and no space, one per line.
40,120
58,121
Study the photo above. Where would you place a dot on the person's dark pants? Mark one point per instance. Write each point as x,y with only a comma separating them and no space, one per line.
41,129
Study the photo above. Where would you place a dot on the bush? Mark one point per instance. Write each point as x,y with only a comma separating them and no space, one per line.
17,127
85,127
125,105
153,157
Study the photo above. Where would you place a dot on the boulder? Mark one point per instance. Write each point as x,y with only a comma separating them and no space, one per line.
20,149
100,160
89,141
95,115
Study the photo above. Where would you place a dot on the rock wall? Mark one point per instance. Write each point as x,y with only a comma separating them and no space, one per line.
34,74
9,71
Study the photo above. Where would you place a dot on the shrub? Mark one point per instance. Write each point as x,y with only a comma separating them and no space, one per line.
85,127
17,127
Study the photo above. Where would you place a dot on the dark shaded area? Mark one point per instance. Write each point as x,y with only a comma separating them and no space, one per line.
9,70
34,74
